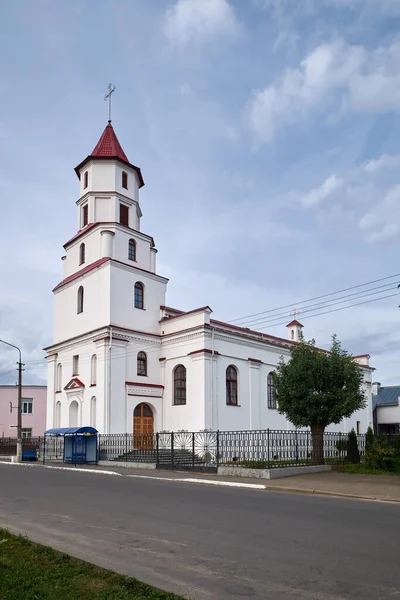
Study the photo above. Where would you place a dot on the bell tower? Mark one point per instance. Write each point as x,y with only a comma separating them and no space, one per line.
109,297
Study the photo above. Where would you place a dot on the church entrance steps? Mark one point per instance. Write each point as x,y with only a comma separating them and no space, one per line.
181,460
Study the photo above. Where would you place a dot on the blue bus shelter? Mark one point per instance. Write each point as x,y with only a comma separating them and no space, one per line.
80,444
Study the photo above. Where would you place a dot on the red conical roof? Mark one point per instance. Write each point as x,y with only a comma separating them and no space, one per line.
108,145
295,322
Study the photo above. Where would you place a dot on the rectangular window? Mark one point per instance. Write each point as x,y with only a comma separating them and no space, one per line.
75,364
27,406
85,215
124,215
26,432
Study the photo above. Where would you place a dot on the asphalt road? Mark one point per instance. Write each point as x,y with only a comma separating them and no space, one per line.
210,542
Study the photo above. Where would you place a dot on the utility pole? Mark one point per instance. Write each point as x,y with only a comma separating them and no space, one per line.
19,418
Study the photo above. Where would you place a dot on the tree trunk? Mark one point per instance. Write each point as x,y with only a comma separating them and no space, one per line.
317,434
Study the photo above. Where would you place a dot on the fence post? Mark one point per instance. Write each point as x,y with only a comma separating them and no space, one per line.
193,451
217,449
307,449
172,451
297,448
268,445
126,443
157,446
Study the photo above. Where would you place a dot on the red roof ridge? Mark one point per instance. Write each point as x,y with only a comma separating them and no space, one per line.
188,312
261,334
87,269
169,308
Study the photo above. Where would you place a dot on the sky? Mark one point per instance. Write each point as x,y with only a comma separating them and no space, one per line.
267,132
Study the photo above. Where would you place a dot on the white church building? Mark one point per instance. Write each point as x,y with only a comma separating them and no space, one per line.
121,360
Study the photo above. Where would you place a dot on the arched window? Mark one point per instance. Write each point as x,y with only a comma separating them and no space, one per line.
59,377
271,391
142,363
292,334
231,386
85,179
180,385
93,370
125,180
73,414
139,295
80,300
57,415
85,215
93,412
81,254
132,250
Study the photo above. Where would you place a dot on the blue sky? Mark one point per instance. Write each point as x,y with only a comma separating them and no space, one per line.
267,133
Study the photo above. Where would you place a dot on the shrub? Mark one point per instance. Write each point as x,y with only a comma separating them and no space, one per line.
341,446
381,456
353,453
370,440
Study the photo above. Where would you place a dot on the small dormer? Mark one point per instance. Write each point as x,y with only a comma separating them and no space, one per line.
295,331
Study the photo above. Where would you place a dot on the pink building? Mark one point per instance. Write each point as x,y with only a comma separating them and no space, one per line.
33,410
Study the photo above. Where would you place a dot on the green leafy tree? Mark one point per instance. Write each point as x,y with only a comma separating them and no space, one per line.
317,388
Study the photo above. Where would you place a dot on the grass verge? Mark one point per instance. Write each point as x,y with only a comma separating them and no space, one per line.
29,571
362,469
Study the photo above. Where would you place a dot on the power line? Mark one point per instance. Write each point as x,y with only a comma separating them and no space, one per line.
319,306
344,307
272,310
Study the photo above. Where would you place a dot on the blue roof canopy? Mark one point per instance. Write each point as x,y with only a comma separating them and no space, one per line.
388,396
71,431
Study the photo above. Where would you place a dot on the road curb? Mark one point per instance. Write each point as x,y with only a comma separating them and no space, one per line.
73,469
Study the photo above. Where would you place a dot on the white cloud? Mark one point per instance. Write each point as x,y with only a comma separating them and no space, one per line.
376,7
318,195
385,161
332,75
197,20
383,222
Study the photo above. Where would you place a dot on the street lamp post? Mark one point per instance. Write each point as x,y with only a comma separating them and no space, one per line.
19,418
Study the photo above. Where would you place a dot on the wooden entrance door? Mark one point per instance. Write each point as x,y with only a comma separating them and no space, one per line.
143,427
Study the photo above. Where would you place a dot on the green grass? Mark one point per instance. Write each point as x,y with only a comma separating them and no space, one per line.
263,464
29,571
362,469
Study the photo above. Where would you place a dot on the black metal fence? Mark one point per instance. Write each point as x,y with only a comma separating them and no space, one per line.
207,450
54,446
8,446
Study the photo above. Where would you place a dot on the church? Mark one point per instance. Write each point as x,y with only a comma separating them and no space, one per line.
124,362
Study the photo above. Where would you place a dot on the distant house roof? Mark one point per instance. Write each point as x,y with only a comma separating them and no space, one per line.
388,396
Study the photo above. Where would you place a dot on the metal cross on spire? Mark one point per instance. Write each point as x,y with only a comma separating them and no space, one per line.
111,89
294,313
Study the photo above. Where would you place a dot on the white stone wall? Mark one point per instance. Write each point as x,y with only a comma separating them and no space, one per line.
96,307
388,414
123,311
